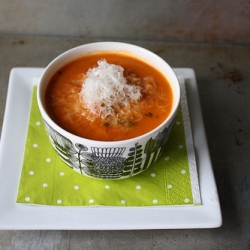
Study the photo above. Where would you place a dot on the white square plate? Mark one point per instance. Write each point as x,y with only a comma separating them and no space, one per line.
15,216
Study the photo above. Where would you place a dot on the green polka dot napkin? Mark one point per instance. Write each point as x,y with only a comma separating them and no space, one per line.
172,180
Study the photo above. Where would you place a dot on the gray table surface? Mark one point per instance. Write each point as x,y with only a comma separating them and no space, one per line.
223,76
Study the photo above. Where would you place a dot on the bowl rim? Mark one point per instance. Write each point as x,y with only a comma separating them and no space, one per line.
127,46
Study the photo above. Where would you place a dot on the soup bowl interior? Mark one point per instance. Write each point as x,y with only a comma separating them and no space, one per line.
108,159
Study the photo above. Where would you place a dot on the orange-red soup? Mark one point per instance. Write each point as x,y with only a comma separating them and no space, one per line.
65,107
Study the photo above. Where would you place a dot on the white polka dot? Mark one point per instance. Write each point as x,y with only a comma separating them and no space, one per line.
180,146
107,187
48,160
166,158
59,201
123,202
155,201
35,145
153,174
169,186
76,187
91,201
31,172
62,173
183,171
38,123
186,200
178,123
45,185
138,187
27,199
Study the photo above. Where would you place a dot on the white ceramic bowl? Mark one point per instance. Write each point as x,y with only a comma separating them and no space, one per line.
105,159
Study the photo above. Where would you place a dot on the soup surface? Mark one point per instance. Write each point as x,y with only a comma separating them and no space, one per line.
66,107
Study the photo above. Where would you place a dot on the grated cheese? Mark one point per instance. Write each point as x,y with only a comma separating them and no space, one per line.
105,90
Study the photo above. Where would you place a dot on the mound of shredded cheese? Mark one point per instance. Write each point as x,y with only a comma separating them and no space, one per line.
105,90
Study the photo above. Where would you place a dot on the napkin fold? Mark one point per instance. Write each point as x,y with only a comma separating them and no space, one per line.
171,181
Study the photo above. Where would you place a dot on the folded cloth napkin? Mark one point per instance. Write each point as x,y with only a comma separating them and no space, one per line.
172,180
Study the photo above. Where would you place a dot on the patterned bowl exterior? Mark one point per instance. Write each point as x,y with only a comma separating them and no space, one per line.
108,162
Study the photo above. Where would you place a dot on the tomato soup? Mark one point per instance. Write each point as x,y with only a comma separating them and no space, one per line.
65,107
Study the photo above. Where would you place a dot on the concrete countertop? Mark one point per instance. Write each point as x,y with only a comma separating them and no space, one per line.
223,77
